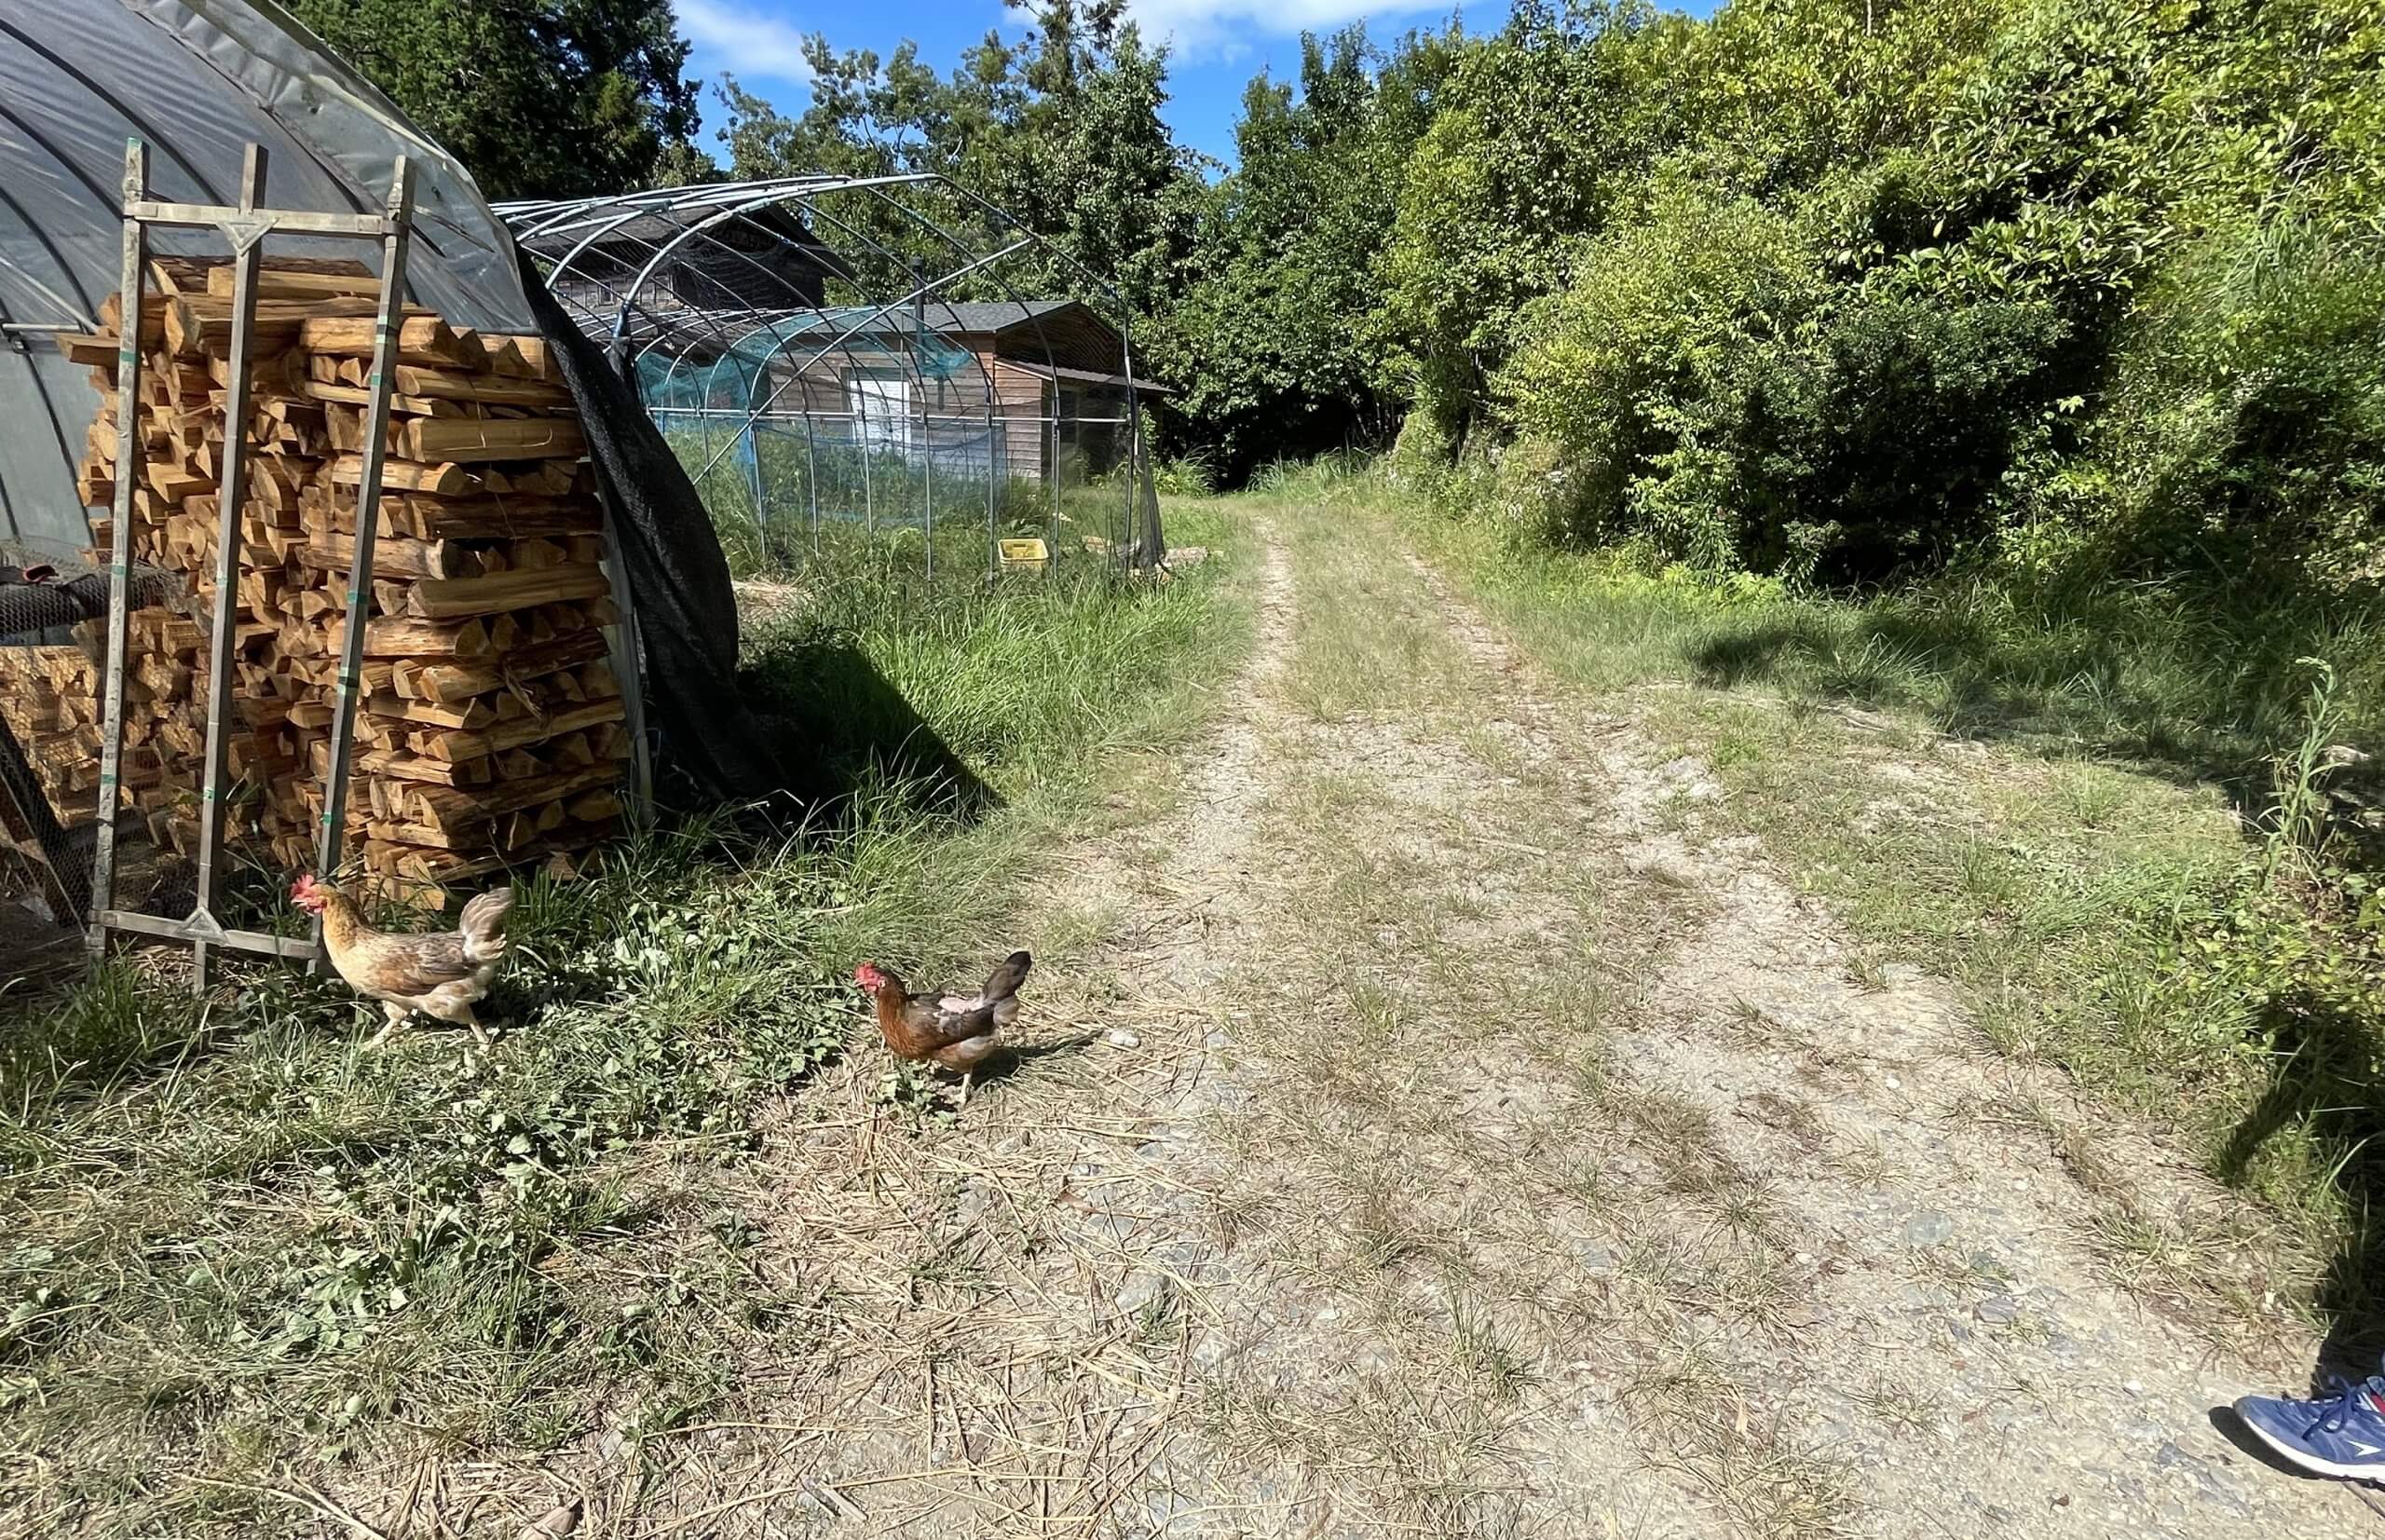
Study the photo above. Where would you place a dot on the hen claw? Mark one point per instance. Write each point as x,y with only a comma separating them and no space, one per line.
396,1015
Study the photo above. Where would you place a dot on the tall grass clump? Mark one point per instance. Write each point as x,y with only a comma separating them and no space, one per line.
1005,676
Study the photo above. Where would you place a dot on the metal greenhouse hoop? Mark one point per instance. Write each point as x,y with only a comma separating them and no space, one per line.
850,355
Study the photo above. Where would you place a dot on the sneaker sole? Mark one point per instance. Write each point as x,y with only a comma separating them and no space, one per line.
2311,1461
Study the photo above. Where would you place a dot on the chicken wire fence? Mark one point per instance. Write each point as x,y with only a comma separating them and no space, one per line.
889,362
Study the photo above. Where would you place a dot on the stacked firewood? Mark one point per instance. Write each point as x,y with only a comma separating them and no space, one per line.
50,699
490,725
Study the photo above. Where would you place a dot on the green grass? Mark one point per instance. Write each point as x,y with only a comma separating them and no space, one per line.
2182,677
2079,803
238,1244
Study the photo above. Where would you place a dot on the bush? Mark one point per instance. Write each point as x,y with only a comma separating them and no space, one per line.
1705,389
1916,418
1657,375
2248,431
1190,475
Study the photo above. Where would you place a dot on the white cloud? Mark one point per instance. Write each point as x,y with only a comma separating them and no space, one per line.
1199,29
742,41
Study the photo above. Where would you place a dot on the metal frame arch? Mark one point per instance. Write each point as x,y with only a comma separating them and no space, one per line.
944,217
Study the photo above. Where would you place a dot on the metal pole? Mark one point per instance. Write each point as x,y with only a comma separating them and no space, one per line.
919,369
754,478
1052,472
860,430
993,500
128,471
368,518
247,257
630,667
1126,369
707,426
812,476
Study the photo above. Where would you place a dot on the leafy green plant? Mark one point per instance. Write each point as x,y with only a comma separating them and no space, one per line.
2296,819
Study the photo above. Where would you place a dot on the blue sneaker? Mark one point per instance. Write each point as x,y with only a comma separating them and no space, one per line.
2337,1436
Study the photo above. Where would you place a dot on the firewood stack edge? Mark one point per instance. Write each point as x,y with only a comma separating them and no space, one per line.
490,725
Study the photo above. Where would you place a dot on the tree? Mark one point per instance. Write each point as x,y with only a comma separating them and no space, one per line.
538,98
1060,130
1541,136
1274,344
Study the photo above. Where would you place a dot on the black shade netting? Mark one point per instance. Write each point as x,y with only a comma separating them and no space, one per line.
685,609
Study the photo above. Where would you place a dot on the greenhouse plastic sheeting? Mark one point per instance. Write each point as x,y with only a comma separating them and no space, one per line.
198,80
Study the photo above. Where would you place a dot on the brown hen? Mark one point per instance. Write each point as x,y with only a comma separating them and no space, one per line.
442,975
942,1026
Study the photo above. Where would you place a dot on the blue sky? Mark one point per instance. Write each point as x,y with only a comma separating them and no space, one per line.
1218,45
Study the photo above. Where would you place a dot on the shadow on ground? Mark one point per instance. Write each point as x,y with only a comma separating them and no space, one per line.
2194,683
1970,686
2327,1084
839,727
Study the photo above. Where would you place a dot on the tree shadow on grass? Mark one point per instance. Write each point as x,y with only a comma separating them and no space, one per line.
2327,1084
842,728
2056,690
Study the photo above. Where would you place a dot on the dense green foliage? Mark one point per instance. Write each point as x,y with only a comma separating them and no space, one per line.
1838,289
1831,289
1844,289
1268,339
540,98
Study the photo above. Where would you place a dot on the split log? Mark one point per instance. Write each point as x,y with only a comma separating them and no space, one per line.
302,278
432,518
447,806
472,714
497,388
448,683
422,339
399,637
447,598
394,556
408,766
477,440
510,735
445,481
358,395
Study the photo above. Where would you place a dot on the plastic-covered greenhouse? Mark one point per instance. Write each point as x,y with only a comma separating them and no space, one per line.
884,359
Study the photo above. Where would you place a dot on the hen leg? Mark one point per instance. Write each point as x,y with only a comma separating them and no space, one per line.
480,1033
965,1055
396,1015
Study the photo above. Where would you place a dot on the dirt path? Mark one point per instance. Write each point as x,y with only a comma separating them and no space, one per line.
1453,1129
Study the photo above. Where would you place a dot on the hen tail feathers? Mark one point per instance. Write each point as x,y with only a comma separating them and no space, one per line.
1003,982
482,924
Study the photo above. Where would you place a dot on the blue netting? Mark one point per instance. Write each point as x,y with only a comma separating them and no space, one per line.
736,379
747,403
